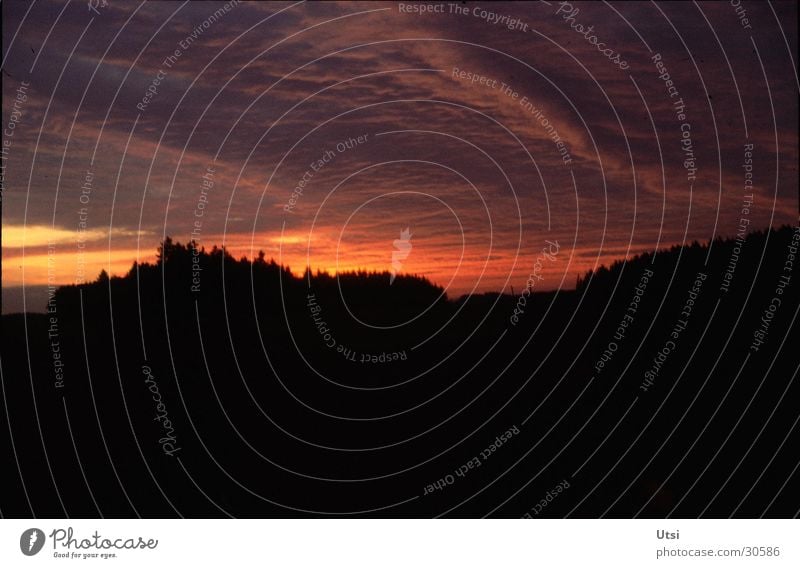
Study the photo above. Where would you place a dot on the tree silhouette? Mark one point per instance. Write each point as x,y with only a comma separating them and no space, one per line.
256,351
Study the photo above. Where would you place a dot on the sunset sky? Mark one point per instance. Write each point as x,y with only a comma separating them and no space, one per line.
127,122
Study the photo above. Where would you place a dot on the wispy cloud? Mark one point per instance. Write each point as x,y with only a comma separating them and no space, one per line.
468,164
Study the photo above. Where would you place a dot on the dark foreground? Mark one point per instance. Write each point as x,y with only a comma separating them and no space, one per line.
249,392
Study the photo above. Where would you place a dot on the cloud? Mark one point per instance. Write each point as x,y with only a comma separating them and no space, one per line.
32,236
267,89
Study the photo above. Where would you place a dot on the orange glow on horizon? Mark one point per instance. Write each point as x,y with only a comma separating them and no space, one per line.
61,267
68,264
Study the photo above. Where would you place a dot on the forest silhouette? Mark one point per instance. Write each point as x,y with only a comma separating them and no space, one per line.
204,385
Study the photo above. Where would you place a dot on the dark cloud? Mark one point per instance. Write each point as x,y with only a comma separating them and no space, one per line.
267,88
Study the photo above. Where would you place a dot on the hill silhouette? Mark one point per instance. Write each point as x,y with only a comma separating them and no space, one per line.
203,385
